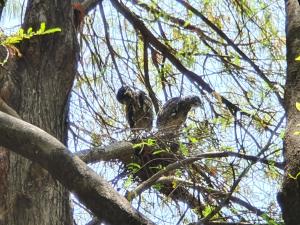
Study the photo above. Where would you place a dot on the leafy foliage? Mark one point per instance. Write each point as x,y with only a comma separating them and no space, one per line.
22,35
238,49
10,41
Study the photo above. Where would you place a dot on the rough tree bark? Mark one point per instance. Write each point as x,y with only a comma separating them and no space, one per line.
289,198
39,86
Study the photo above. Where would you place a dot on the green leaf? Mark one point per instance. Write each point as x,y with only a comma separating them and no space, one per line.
186,23
184,150
174,184
178,173
11,40
294,178
30,31
128,182
297,133
139,145
42,27
298,106
134,167
21,32
21,35
52,30
207,210
156,152
193,139
298,58
269,220
158,186
282,134
151,142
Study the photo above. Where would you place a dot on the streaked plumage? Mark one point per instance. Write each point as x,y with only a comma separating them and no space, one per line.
138,107
174,112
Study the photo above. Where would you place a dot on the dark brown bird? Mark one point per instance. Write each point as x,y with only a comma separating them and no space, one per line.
174,112
138,107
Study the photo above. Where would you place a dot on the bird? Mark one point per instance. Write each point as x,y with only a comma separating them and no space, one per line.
174,112
138,108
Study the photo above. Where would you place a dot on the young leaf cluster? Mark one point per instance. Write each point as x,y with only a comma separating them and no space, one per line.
22,35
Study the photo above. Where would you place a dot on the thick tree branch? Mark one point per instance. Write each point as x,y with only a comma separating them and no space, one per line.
91,189
7,109
120,150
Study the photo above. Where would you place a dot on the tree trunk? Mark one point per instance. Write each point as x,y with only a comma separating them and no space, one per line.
42,79
289,198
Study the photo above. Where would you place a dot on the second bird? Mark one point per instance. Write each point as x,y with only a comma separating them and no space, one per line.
174,112
138,107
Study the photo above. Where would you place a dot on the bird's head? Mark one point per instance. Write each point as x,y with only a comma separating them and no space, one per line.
124,94
194,101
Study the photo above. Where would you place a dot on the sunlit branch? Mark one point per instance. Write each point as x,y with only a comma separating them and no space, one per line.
120,150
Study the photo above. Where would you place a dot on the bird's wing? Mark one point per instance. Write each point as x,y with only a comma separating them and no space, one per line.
171,106
145,102
167,112
139,110
130,115
141,98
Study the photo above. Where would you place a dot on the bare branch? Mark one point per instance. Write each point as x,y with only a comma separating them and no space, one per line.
234,46
148,183
212,192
